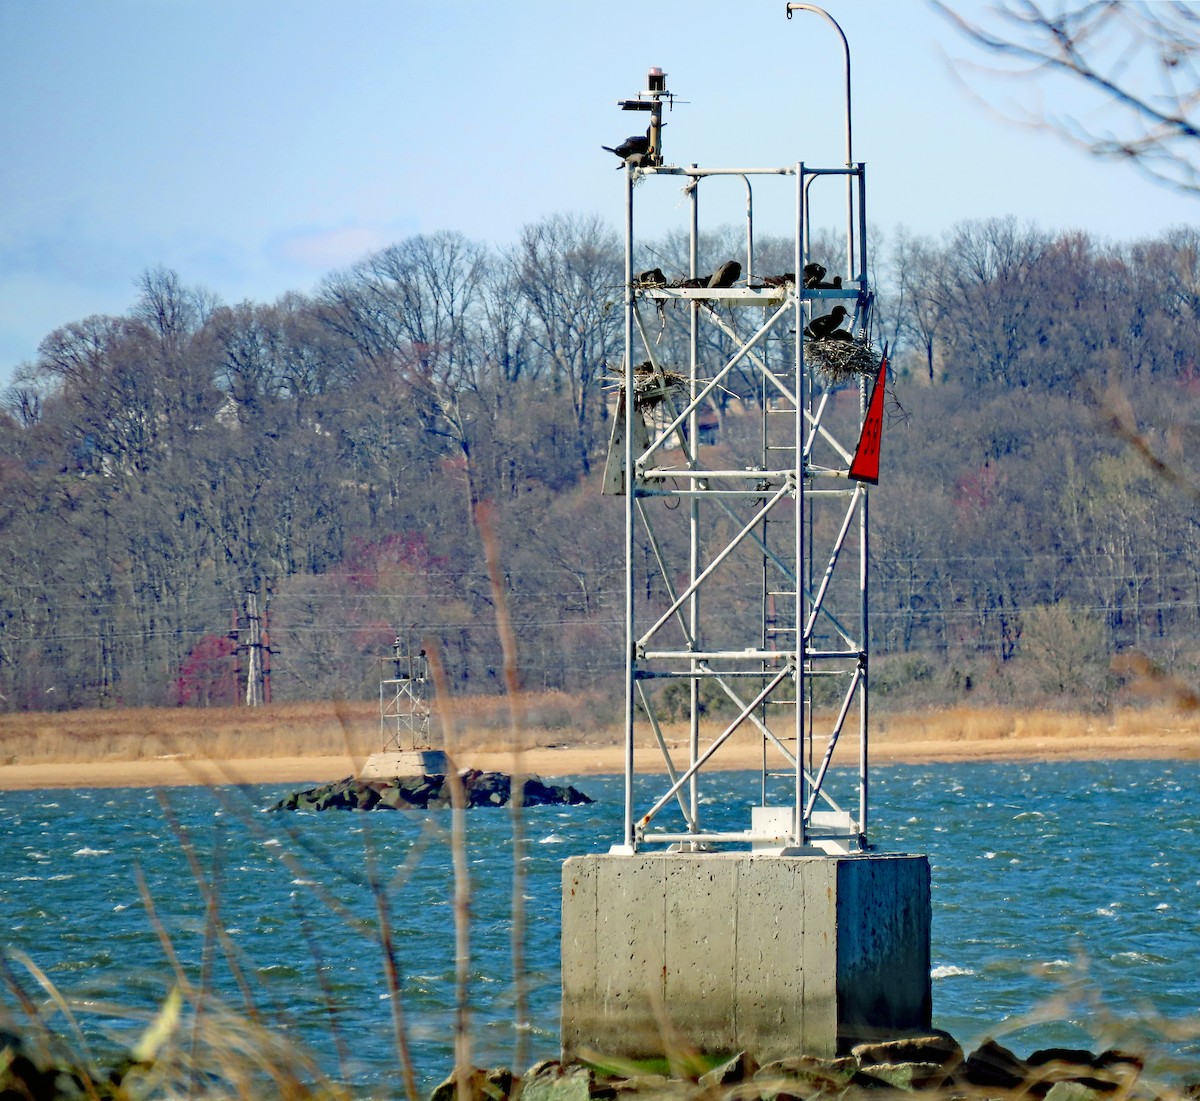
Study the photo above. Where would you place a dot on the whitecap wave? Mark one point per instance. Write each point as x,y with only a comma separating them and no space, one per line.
1059,964
948,971
85,851
552,839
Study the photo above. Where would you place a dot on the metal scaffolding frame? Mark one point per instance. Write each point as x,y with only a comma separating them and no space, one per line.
403,708
795,674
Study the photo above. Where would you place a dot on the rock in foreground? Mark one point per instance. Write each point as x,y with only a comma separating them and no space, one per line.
482,789
933,1066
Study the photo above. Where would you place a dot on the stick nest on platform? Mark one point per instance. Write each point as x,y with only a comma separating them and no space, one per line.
649,388
841,360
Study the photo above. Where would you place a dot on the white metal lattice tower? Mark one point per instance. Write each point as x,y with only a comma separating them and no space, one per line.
403,707
746,573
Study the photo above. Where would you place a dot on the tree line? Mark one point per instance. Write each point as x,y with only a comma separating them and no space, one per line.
319,464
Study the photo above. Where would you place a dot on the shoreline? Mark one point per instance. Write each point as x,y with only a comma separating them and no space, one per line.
556,762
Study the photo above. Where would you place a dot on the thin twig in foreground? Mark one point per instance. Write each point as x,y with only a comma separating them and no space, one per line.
391,969
508,645
462,882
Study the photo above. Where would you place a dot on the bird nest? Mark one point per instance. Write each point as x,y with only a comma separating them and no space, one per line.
841,360
649,389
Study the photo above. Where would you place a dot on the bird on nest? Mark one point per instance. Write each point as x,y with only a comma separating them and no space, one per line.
726,275
826,327
652,278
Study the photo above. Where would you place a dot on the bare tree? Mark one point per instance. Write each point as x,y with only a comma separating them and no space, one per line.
416,308
919,306
978,299
569,275
171,310
1137,58
98,367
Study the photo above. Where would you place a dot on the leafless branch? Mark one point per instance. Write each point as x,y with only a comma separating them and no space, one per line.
1138,58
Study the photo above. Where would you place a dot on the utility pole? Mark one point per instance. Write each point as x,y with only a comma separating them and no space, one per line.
254,642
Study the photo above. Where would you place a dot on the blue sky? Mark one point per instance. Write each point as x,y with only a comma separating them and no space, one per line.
256,145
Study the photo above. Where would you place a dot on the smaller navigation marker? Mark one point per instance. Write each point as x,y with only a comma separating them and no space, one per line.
865,467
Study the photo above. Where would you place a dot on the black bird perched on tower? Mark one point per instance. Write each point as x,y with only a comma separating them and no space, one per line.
726,275
822,328
813,274
636,146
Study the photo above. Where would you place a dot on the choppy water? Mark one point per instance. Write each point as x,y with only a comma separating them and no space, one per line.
1073,882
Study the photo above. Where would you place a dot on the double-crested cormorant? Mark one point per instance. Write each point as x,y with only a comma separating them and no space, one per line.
822,328
813,274
636,146
726,275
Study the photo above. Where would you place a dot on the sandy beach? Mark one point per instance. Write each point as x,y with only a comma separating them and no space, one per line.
67,751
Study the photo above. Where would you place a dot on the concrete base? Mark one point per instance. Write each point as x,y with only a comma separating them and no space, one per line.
411,762
729,952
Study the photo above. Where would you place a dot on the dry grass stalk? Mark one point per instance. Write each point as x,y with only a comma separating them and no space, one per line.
1150,680
508,644
191,1045
462,882
391,971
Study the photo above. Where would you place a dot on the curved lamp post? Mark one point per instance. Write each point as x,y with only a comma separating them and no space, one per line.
849,131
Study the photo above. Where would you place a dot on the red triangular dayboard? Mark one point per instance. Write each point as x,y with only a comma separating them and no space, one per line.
865,467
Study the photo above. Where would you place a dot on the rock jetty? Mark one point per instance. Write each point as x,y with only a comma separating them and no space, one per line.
930,1066
482,789
933,1065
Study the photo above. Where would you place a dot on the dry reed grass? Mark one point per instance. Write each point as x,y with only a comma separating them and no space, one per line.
136,734
558,723
275,731
961,733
